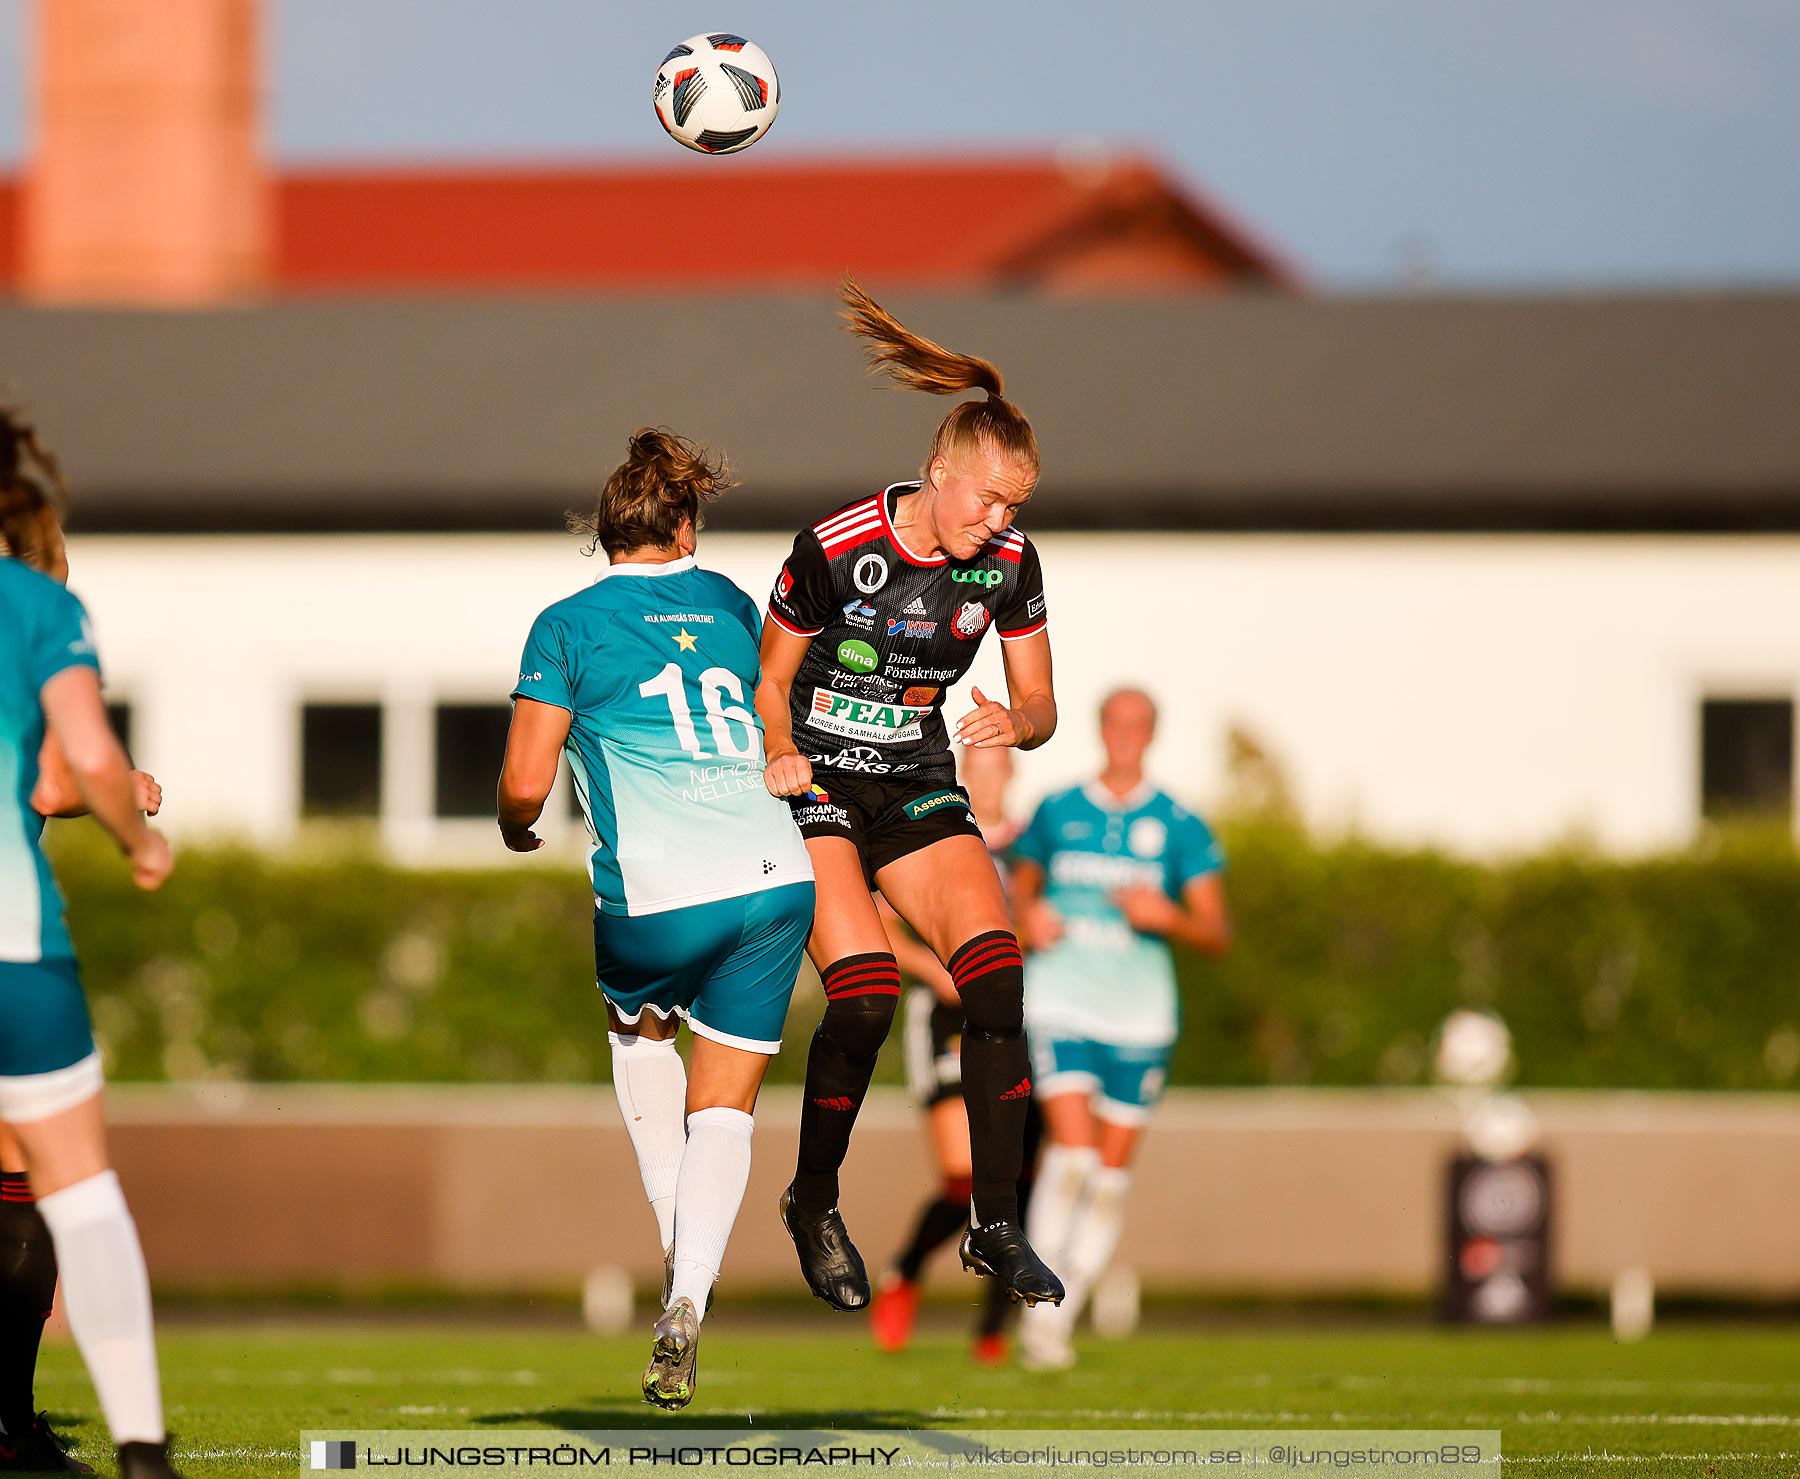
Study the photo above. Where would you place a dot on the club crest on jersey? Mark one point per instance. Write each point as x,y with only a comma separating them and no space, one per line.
870,574
971,620
862,719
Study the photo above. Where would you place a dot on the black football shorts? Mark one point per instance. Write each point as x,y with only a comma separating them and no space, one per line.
886,819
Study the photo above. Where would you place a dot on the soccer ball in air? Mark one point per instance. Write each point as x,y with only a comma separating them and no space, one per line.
716,93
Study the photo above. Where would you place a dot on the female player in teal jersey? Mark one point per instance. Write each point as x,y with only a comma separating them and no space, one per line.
703,890
50,1077
1106,876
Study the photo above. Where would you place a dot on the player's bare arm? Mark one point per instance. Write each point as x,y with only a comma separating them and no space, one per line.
57,795
788,772
1198,919
534,744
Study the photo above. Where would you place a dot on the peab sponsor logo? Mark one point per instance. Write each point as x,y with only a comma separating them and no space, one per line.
971,620
862,719
988,578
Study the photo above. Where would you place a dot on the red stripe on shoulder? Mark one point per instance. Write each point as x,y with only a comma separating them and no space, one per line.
775,616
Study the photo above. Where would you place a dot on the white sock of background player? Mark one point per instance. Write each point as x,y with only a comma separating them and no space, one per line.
650,1082
1096,1235
714,1172
107,1295
1058,1198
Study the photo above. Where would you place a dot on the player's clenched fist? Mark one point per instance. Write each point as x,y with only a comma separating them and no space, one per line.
788,775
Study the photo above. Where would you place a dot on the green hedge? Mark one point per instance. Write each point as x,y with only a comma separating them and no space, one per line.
1675,973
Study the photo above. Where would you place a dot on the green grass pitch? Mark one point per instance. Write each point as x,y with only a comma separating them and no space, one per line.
1696,1399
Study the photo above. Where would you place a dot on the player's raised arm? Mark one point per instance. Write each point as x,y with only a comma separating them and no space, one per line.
789,772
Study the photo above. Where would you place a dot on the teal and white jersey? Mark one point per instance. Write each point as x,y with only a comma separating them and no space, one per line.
658,665
1103,980
43,630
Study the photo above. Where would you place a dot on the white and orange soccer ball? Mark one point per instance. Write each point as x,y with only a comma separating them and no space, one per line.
717,93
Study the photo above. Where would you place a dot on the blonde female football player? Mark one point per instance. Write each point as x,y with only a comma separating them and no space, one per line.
878,611
1106,877
702,888
50,1078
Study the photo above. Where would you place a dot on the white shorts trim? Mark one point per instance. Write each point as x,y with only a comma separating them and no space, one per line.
1069,1081
731,1040
661,1014
36,1096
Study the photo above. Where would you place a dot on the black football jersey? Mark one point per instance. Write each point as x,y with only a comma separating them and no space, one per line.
891,631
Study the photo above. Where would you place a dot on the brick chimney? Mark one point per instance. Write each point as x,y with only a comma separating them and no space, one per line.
145,181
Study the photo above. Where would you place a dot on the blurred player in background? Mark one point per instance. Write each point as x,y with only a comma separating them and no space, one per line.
50,1075
933,1036
878,610
703,890
1107,876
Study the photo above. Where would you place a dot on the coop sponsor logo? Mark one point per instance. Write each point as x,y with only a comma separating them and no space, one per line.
863,719
988,578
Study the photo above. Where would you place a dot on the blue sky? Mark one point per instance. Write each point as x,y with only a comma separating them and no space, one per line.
1508,143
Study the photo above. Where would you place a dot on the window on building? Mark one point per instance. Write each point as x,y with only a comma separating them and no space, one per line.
340,760
471,742
1747,757
119,716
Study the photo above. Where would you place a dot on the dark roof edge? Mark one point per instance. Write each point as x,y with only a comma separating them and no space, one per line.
1774,510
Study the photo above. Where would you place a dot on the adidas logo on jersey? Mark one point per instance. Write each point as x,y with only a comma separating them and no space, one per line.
916,607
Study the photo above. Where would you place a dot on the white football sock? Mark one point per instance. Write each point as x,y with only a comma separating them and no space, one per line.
714,1172
1056,1197
1096,1234
650,1081
107,1293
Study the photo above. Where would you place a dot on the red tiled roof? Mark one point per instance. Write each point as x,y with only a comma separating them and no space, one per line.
740,226
945,223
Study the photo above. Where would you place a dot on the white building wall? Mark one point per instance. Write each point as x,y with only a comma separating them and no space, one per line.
1487,694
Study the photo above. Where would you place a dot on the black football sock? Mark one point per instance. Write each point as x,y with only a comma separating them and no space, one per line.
941,1219
27,1290
989,973
861,992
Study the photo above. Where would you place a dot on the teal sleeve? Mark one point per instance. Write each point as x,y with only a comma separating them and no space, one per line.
544,669
1036,842
1197,851
63,639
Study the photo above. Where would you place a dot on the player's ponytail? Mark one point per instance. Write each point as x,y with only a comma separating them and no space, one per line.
661,484
32,494
918,363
